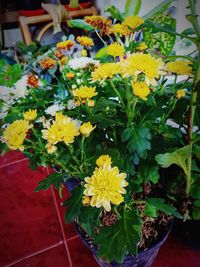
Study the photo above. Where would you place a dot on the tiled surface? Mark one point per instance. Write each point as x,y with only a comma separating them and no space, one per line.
32,229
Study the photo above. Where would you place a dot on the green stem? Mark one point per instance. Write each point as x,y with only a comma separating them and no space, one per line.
118,94
193,19
82,148
100,38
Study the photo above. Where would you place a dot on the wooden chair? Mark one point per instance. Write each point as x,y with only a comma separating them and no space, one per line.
25,22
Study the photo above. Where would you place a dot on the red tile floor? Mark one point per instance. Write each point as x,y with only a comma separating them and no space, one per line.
32,231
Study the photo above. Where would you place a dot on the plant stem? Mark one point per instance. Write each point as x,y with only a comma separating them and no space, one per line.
82,148
196,27
100,38
118,94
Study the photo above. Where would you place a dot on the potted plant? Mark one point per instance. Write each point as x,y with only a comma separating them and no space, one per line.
119,129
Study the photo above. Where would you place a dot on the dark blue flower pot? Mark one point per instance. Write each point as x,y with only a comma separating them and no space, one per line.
143,259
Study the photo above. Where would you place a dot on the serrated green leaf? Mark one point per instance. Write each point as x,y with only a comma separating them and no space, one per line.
159,204
148,171
132,7
196,213
81,24
52,179
178,157
73,204
114,12
138,140
159,9
123,236
151,211
189,31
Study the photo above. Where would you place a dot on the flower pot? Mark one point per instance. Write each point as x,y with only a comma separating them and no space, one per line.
143,259
187,232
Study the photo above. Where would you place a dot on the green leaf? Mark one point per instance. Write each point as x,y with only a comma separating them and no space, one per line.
148,171
178,157
195,190
52,179
102,52
81,24
197,203
189,31
114,241
89,218
162,41
151,211
159,9
138,140
114,12
132,7
196,150
196,213
159,204
74,204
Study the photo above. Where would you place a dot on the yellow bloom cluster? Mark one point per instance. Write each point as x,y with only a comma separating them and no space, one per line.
15,134
115,50
30,115
86,128
140,89
32,81
65,45
85,41
63,129
84,94
142,47
179,67
105,187
145,64
133,22
99,23
105,71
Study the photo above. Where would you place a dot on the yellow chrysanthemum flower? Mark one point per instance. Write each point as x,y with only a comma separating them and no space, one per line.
140,89
85,41
105,71
100,23
86,128
51,148
105,187
119,29
15,134
180,94
133,22
30,115
138,63
115,50
63,129
179,67
65,45
47,63
104,160
84,93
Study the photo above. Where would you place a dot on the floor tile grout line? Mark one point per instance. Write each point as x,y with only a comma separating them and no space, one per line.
61,226
35,254
13,162
72,238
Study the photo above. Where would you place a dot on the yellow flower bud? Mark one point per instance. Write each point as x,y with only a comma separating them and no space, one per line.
86,200
90,103
51,148
84,53
63,60
86,128
70,75
104,160
180,94
30,115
